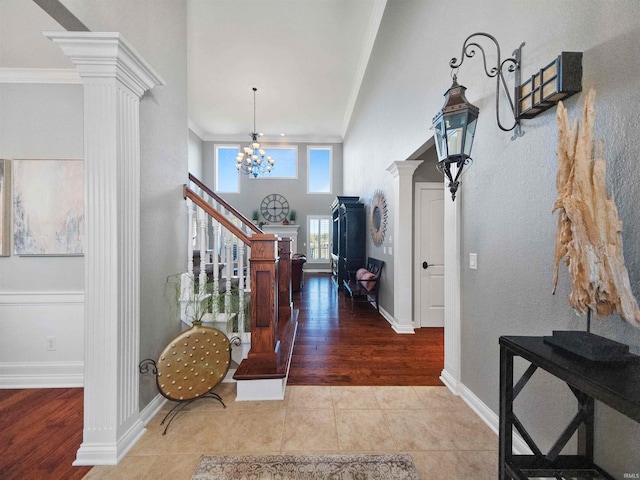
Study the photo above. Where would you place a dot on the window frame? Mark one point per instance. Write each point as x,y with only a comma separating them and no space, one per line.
320,147
216,147
329,219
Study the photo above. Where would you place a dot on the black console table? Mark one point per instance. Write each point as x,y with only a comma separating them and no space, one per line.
617,385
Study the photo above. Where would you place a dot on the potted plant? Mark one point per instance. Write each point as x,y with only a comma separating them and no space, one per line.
255,217
292,217
183,294
194,303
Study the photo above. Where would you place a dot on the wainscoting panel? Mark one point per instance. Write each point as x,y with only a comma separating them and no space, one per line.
41,340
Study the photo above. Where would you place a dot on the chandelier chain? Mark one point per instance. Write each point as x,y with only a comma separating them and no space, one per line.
253,160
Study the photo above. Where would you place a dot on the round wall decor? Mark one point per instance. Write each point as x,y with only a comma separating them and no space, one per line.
274,207
378,217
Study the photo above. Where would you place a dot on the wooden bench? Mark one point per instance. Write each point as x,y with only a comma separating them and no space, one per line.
364,287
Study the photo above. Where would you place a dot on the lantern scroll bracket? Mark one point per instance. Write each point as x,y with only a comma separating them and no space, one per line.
511,64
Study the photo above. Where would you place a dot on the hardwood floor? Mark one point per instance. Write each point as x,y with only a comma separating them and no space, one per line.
334,347
41,430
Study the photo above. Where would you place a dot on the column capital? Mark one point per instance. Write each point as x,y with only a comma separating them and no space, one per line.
403,168
107,55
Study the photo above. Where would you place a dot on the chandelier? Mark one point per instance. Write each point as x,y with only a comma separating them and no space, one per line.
251,159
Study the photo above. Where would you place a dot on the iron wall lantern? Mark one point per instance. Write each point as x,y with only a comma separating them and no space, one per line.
455,126
455,123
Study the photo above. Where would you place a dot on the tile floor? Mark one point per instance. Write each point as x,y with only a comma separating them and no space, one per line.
445,437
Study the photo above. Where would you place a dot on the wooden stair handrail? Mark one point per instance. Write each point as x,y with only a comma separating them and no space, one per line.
271,339
207,207
219,199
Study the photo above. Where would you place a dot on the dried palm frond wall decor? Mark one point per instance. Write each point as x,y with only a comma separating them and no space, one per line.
588,233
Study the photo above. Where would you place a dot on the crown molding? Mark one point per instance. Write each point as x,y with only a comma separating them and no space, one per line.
275,140
64,76
195,128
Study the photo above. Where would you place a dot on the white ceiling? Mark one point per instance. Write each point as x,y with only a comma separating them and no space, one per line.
306,57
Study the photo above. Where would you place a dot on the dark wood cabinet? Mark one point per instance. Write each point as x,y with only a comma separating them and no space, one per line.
349,240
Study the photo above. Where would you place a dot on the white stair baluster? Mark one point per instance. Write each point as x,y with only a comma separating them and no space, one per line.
202,236
229,272
248,284
240,289
190,212
216,262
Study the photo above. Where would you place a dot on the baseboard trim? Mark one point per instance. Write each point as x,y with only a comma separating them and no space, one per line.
41,375
153,407
450,382
402,329
492,420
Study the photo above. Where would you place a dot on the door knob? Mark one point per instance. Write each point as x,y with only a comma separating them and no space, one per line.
425,265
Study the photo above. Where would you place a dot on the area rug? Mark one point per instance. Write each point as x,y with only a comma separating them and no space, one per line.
306,467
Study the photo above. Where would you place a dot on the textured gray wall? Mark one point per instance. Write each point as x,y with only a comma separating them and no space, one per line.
38,122
156,29
507,195
252,191
196,152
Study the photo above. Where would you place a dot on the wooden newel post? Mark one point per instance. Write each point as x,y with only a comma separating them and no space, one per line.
284,278
264,300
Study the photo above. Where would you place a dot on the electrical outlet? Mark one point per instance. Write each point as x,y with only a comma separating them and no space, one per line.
51,344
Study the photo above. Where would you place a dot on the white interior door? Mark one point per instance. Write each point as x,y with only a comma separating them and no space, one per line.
429,255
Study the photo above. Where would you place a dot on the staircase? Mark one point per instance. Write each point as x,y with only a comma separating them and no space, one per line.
236,256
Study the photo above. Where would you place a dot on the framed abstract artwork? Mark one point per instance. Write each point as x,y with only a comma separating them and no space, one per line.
48,207
5,208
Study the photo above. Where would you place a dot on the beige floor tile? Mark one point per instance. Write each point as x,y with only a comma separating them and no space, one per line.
363,431
190,432
481,465
469,431
447,465
310,431
173,467
436,465
446,438
299,396
419,430
129,468
257,432
435,397
97,473
397,398
354,398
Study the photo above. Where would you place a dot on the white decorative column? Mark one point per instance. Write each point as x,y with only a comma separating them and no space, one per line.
114,76
450,376
403,251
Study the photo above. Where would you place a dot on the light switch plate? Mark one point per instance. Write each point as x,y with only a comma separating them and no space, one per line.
473,261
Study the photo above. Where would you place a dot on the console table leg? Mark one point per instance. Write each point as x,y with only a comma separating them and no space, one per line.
506,412
585,431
